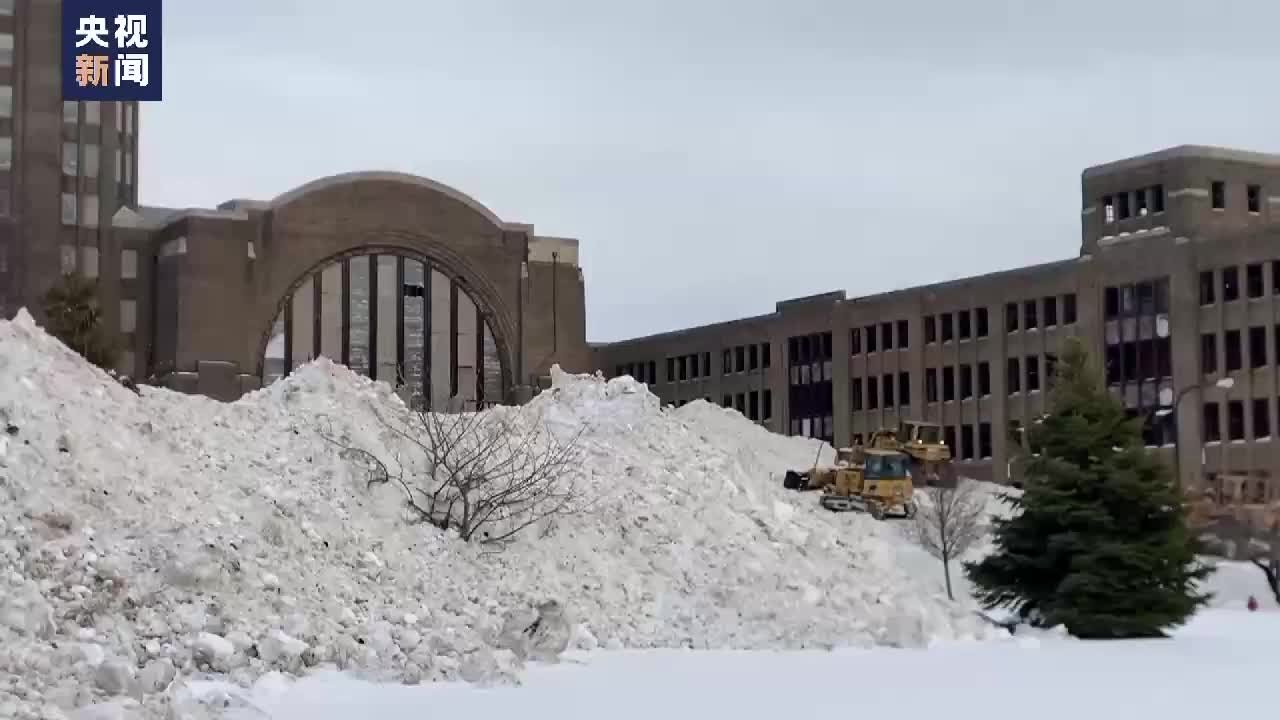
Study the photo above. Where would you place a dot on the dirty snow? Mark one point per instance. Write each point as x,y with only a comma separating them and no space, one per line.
149,541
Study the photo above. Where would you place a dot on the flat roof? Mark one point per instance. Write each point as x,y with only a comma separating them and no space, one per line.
1181,152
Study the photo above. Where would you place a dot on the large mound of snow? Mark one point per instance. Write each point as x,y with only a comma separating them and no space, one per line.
148,539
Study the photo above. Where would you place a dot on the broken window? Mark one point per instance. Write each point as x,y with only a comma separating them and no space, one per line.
1206,288
1013,376
1275,277
1231,343
981,314
726,358
1218,191
1254,193
1140,202
1235,420
727,401
1212,424
1253,280
1257,347
984,379
1146,298
1208,353
1011,317
1230,284
1050,367
1261,418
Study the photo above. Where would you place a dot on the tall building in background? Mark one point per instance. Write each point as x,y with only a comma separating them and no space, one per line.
65,168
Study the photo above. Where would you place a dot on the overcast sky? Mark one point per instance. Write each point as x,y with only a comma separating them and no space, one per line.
715,156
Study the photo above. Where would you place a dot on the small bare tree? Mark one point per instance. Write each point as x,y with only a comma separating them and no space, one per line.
1238,527
950,523
487,475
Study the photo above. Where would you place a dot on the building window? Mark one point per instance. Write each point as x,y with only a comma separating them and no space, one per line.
671,370
6,153
1013,376
1235,420
870,337
92,112
6,50
1253,280
1140,202
1257,347
128,264
949,437
964,322
706,363
68,209
1069,309
740,403
1050,311
966,442
1122,206
1211,423
886,335
6,7
931,385
984,379
727,401
1033,373
873,394
130,110
1261,419
1111,302
767,403
740,359
855,393
1029,320
70,112
1108,209
753,357
886,381
1157,198
90,161
128,316
766,356
753,405
982,322
1275,277
70,159
1218,190
855,341
966,382
948,384
1011,317
1208,353
930,329
903,339
6,101
1231,341
1230,284
984,440
947,327
1206,288
128,168
1254,194
904,388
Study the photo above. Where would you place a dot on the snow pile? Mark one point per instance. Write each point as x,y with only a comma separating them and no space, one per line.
147,541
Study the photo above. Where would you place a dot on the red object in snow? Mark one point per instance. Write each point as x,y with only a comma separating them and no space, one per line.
1253,603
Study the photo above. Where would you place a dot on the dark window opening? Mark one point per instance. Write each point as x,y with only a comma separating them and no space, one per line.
1016,436
966,442
1122,206
766,359
726,358
963,322
753,357
753,405
1254,193
1050,311
1206,288
949,437
1211,423
930,329
1011,316
1111,302
1275,277
886,382
1050,368
1257,347
728,401
1129,358
1108,209
948,384
886,336
981,314
740,403
947,327
1157,198
966,382
870,337
1253,280
873,394
1146,298
1230,284
1033,372
903,340
706,364
1164,357
671,369
1162,295
1069,308
904,388
767,402
1140,202
1231,341
1218,191
984,440
683,363
931,385
855,341
1113,367
855,397
1013,376
740,358
1235,420
1208,353
984,379
652,375
1261,418
1029,320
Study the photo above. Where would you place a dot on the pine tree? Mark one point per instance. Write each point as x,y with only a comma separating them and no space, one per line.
74,317
1099,540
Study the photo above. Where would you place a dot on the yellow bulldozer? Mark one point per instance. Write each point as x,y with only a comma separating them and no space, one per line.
930,458
872,480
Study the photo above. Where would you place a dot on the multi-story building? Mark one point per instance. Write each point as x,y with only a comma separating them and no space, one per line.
1176,288
400,277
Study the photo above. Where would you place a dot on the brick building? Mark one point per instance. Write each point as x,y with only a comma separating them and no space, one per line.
398,276
1176,287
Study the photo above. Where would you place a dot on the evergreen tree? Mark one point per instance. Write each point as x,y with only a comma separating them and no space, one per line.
74,317
1098,541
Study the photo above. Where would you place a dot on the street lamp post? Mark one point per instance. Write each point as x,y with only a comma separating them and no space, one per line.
1225,383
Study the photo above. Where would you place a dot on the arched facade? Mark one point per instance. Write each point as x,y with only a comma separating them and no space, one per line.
225,280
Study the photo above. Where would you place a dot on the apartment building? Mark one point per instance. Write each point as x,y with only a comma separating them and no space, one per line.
1175,288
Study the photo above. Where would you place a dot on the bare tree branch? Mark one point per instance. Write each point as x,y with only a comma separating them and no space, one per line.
950,523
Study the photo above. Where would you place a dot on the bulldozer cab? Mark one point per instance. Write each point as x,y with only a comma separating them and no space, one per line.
885,465
920,433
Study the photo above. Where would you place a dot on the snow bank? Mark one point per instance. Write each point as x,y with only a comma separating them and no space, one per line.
151,542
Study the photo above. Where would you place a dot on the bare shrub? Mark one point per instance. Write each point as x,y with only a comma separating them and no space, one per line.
1233,525
486,475
949,525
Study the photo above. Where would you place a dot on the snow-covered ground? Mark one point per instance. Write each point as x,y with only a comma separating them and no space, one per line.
1220,665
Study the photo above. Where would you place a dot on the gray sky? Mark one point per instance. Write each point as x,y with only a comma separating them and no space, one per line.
715,156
